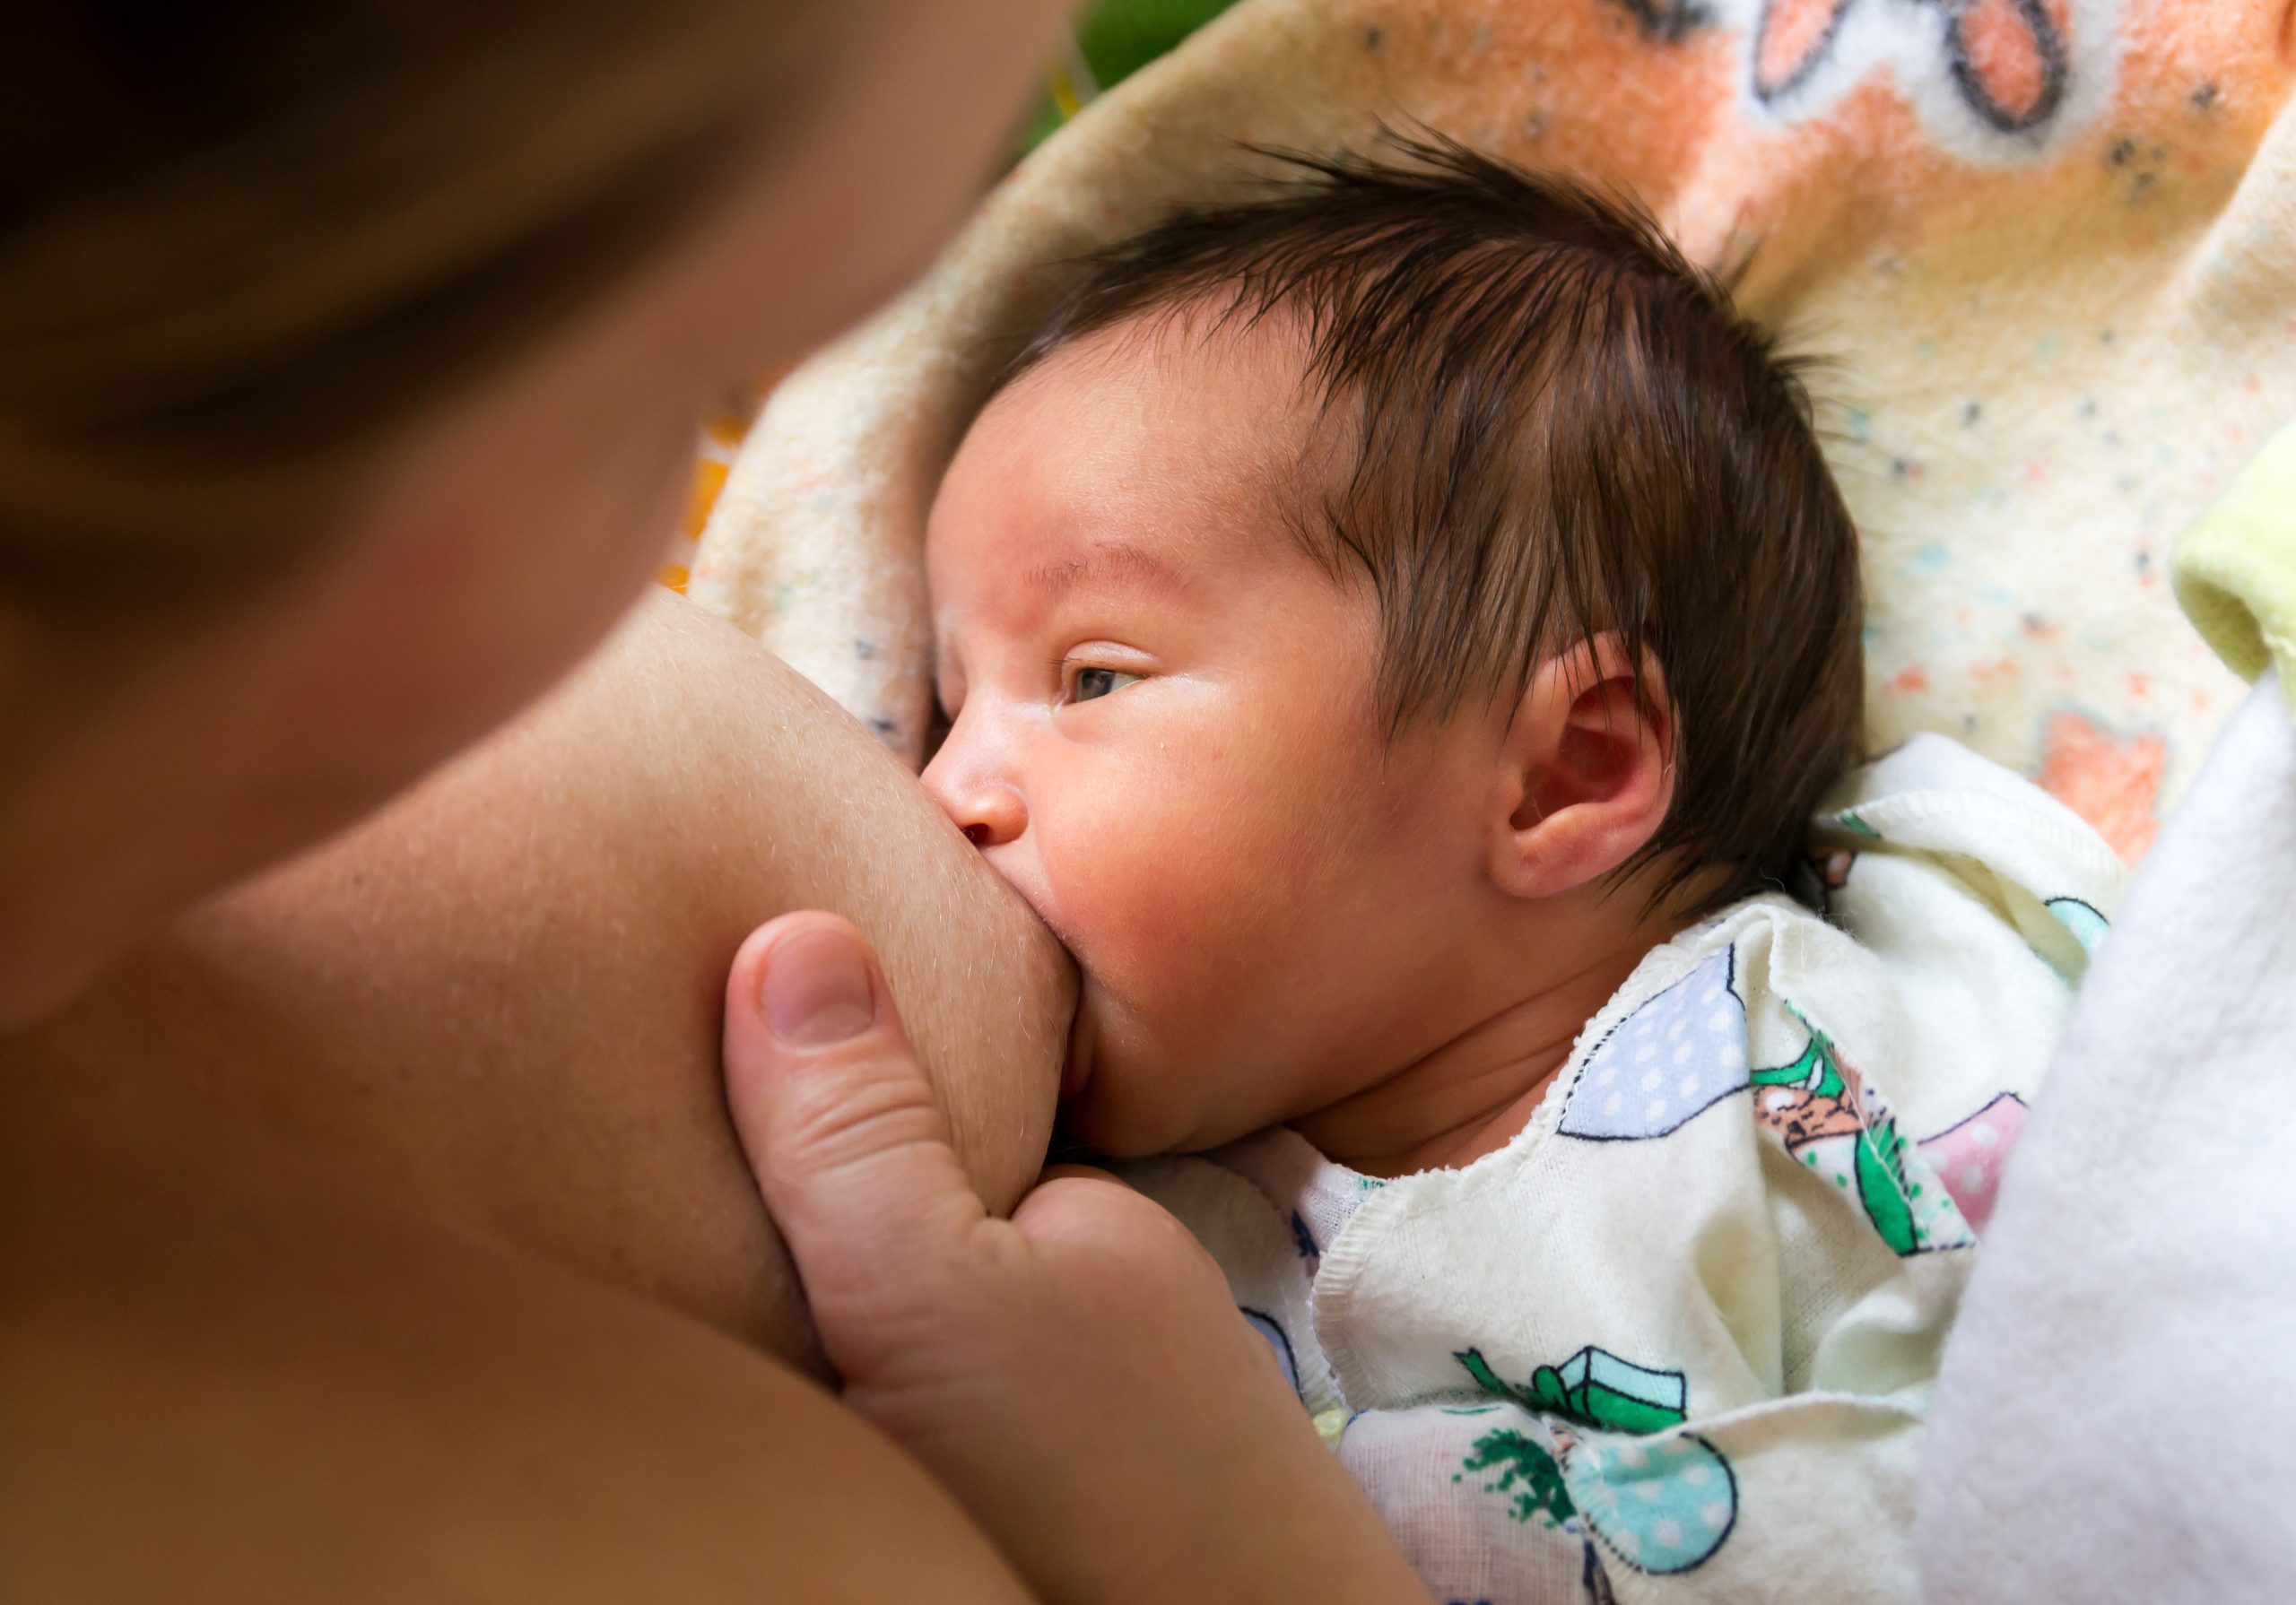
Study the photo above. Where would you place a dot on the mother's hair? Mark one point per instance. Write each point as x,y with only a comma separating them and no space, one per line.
239,241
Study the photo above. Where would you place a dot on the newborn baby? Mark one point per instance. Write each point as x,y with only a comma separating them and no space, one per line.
1398,635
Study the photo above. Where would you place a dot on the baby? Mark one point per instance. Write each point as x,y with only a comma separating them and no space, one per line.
1398,634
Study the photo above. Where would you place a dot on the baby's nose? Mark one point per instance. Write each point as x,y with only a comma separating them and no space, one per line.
990,811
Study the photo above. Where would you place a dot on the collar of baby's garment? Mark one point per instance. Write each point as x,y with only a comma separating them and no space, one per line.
1322,1196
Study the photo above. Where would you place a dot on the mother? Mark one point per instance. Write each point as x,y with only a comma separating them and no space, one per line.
363,1234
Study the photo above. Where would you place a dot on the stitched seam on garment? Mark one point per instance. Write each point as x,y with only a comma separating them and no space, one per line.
1437,1193
2087,852
1324,1381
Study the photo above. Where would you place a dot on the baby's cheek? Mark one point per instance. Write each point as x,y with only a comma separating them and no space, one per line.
1138,911
1166,906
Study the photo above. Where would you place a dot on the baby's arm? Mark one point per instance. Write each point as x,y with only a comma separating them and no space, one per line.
1077,1376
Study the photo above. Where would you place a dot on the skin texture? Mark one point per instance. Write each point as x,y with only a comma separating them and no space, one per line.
381,1234
222,1376
497,1003
251,1348
259,1340
1077,1374
1164,736
146,759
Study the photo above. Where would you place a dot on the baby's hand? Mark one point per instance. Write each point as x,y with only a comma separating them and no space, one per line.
1077,1376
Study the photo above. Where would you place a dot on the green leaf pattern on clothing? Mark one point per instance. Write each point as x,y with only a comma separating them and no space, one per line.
1659,1500
1833,1122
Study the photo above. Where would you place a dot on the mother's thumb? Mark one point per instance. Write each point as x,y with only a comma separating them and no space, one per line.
844,1132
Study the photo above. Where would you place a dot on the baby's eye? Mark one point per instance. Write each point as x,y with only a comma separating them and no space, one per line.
1086,683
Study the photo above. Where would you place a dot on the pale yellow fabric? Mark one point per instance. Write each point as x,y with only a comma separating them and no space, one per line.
2236,568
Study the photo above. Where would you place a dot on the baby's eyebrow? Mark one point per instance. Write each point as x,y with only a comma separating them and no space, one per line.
1113,560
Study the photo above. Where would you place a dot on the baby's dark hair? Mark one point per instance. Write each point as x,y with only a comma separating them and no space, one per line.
1558,427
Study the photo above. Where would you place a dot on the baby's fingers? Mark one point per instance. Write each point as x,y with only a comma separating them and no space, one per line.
848,1141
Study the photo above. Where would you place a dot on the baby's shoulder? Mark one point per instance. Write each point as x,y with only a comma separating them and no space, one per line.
1931,835
1889,1024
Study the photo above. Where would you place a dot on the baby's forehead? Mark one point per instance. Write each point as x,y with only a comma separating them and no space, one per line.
1181,422
1191,370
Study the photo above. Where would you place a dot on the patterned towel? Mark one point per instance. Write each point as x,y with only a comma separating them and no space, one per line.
2048,243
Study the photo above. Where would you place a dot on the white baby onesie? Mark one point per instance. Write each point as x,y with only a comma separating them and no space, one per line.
1674,1340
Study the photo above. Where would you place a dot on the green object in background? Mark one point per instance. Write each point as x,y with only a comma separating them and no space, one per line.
1113,41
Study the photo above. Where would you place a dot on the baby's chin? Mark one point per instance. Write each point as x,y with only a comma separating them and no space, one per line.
1128,1105
1111,1101
1120,1128
1092,1108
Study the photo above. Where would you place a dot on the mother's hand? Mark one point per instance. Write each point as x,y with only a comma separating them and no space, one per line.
1077,1376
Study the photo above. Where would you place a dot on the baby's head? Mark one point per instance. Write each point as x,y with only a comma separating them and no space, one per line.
1362,608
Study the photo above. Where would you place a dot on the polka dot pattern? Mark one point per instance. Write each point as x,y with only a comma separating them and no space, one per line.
1970,1157
2087,925
1674,1057
1660,1504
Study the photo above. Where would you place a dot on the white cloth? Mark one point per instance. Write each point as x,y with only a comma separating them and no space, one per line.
1675,1341
2117,1416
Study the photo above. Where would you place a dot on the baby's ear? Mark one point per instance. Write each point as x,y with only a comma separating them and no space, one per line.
1588,769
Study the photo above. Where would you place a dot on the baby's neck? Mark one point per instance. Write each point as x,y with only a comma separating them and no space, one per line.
1478,1089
